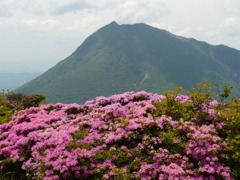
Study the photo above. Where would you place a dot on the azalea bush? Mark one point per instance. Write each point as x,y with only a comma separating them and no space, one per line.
127,136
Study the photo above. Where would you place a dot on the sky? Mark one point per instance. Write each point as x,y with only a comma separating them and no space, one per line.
37,34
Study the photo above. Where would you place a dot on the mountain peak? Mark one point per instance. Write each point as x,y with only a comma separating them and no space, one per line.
113,23
119,58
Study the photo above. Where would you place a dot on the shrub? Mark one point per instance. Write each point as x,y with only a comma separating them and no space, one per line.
126,136
14,99
11,103
6,110
33,100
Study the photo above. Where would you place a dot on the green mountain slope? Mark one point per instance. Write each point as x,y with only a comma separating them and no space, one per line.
120,58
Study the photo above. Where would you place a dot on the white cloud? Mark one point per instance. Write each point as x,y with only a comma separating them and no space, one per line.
141,11
231,7
43,24
71,6
53,29
5,12
230,21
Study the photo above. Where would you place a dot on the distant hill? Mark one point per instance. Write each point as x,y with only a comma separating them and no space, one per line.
11,80
120,58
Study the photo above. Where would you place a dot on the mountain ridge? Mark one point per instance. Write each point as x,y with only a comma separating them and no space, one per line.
119,58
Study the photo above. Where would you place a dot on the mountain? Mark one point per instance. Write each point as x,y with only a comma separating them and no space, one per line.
119,58
11,80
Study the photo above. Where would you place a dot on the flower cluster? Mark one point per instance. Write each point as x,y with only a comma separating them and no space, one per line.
117,137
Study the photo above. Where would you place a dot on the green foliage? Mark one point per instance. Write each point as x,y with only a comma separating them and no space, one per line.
11,102
13,97
33,100
229,112
226,92
6,110
5,114
16,172
170,107
202,94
